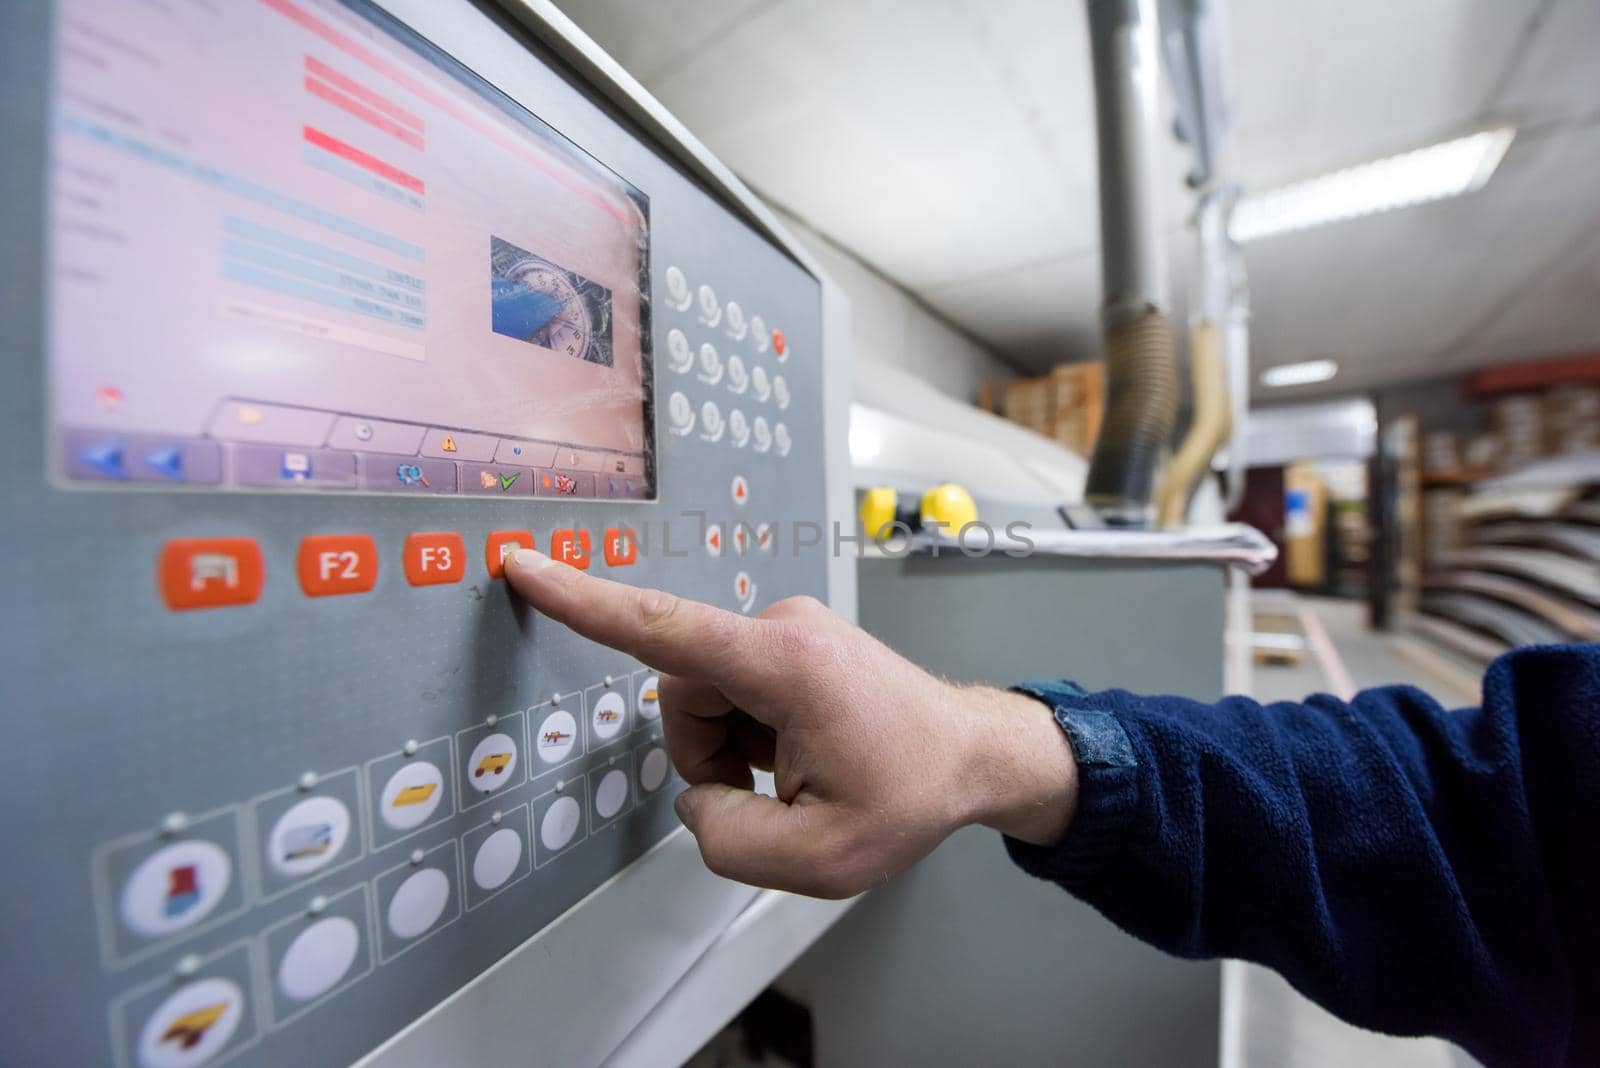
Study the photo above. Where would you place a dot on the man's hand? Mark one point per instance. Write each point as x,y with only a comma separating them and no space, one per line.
875,760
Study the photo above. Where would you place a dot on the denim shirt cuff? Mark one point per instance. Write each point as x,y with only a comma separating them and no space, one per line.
1108,787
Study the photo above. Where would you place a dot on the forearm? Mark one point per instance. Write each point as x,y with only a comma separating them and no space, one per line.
1380,853
1024,780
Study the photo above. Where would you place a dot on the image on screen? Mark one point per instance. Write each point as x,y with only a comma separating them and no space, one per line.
546,305
317,254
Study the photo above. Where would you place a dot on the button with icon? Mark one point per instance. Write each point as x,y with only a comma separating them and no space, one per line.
308,836
649,698
168,883
411,795
501,544
333,564
556,737
306,829
571,547
492,763
435,558
409,790
459,445
193,1025
621,546
210,572
175,888
609,717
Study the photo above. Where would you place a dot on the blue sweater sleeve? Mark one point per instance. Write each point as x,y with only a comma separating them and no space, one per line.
1414,870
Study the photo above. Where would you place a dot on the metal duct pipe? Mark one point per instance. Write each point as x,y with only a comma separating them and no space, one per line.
1141,371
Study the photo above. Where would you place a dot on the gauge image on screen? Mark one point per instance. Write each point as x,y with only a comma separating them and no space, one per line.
276,284
547,305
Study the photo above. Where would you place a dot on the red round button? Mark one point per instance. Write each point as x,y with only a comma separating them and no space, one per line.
778,344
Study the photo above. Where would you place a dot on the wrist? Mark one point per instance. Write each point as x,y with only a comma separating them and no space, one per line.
1024,780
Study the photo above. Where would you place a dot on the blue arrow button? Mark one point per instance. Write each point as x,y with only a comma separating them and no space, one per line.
106,457
169,461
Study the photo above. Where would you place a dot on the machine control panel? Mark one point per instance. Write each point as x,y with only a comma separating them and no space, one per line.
331,322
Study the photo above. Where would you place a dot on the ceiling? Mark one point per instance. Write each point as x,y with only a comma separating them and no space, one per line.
950,146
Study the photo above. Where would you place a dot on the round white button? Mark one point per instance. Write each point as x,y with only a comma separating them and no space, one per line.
758,332
738,429
418,903
491,763
759,385
557,735
714,539
677,288
710,421
679,356
780,437
192,1025
411,795
681,411
175,887
780,392
738,378
764,537
560,823
650,697
653,770
318,958
763,434
710,310
610,713
308,836
744,590
736,324
611,794
497,859
739,490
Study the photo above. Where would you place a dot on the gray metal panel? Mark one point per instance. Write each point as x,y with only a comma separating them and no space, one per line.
126,712
1150,627
964,959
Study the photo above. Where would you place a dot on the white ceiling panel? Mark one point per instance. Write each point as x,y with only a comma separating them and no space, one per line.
1559,78
951,146
1323,85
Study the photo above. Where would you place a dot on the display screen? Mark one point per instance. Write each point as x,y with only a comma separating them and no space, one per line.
296,248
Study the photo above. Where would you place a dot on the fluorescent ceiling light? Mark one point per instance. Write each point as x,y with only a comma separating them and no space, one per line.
1447,169
1299,374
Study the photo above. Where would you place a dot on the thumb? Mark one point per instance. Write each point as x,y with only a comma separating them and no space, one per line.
756,839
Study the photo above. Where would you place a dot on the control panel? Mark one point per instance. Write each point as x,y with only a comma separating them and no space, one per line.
321,323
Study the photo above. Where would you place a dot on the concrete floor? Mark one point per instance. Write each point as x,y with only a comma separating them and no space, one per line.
1369,659
1267,1024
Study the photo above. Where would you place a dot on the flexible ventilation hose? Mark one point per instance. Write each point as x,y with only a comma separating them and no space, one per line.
1141,407
1210,427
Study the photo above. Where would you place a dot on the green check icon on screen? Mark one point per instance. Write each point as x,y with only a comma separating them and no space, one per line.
506,481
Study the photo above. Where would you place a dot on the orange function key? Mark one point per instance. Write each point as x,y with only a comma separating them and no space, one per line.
434,558
621,547
501,544
333,564
210,572
571,547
